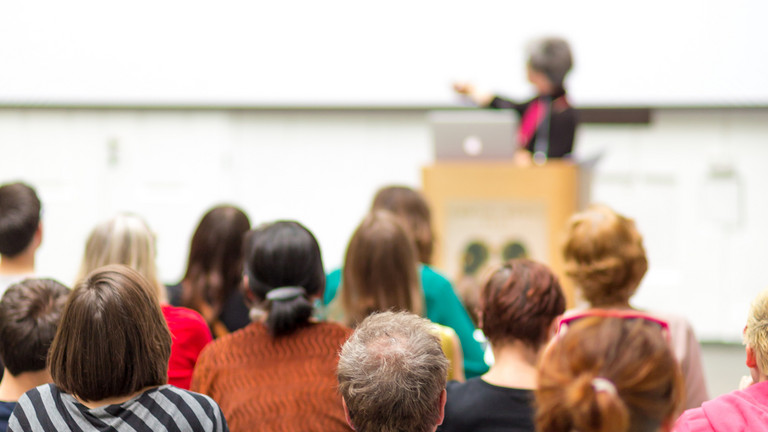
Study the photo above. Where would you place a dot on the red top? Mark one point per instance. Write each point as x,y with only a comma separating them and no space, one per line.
190,335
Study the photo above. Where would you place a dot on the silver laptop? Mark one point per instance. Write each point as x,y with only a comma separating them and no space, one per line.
473,134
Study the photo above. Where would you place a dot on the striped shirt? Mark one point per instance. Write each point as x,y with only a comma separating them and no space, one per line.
160,409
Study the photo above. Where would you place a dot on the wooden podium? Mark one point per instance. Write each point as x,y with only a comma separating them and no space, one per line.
493,205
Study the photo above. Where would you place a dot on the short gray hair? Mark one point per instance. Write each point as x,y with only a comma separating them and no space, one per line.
552,57
392,372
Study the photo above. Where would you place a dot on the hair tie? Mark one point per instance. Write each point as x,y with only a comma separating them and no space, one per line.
603,385
285,293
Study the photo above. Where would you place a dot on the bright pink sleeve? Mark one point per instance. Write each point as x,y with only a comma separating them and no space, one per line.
692,420
190,335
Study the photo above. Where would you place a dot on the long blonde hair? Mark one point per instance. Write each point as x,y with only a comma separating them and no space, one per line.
125,239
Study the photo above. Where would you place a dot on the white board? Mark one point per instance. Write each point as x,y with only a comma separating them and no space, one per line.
359,53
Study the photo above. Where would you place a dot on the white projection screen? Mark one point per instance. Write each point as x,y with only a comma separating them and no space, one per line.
306,53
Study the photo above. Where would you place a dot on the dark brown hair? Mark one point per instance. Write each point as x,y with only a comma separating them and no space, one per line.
284,254
30,312
19,217
215,264
519,302
604,255
113,340
608,375
410,205
380,270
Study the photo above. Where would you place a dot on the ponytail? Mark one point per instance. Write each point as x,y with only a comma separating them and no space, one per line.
595,406
289,308
607,374
284,269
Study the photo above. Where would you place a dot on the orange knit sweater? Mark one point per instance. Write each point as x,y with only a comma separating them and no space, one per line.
275,384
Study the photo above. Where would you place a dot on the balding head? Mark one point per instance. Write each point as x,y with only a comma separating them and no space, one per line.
392,374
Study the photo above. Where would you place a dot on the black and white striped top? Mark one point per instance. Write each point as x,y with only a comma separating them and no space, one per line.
160,409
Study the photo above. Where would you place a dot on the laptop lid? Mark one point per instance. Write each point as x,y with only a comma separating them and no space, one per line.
473,134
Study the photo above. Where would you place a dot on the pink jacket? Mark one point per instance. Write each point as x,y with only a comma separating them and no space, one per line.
741,410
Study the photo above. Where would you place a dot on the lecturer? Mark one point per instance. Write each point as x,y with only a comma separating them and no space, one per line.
547,122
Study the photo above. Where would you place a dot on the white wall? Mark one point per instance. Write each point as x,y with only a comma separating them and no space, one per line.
322,168
401,52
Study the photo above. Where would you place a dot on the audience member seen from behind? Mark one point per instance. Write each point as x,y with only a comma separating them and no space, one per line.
745,409
392,375
380,275
214,275
29,316
518,306
547,122
278,373
21,232
441,304
126,239
604,256
109,364
608,374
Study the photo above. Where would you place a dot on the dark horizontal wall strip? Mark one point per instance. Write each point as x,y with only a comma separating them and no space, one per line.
615,115
599,115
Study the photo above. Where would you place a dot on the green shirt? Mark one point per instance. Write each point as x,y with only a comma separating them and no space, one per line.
442,306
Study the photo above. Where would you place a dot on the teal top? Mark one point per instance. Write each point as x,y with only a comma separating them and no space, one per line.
442,306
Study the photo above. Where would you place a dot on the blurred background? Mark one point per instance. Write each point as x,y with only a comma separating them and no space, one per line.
302,110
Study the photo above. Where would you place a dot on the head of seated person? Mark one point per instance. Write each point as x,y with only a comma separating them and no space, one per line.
380,271
608,374
392,374
283,275
756,338
20,228
604,256
30,312
215,264
518,306
113,341
412,207
125,239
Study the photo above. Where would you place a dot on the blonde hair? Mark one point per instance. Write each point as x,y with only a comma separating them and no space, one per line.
604,255
756,333
125,239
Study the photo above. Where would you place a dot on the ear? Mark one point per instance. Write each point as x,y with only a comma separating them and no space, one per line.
751,358
39,232
442,401
346,413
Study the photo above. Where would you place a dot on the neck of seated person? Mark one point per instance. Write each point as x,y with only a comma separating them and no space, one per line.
13,386
115,400
622,304
514,365
23,263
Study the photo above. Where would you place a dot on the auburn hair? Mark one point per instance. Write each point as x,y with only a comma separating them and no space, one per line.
519,302
629,356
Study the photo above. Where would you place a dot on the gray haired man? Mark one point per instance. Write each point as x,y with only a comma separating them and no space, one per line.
392,375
